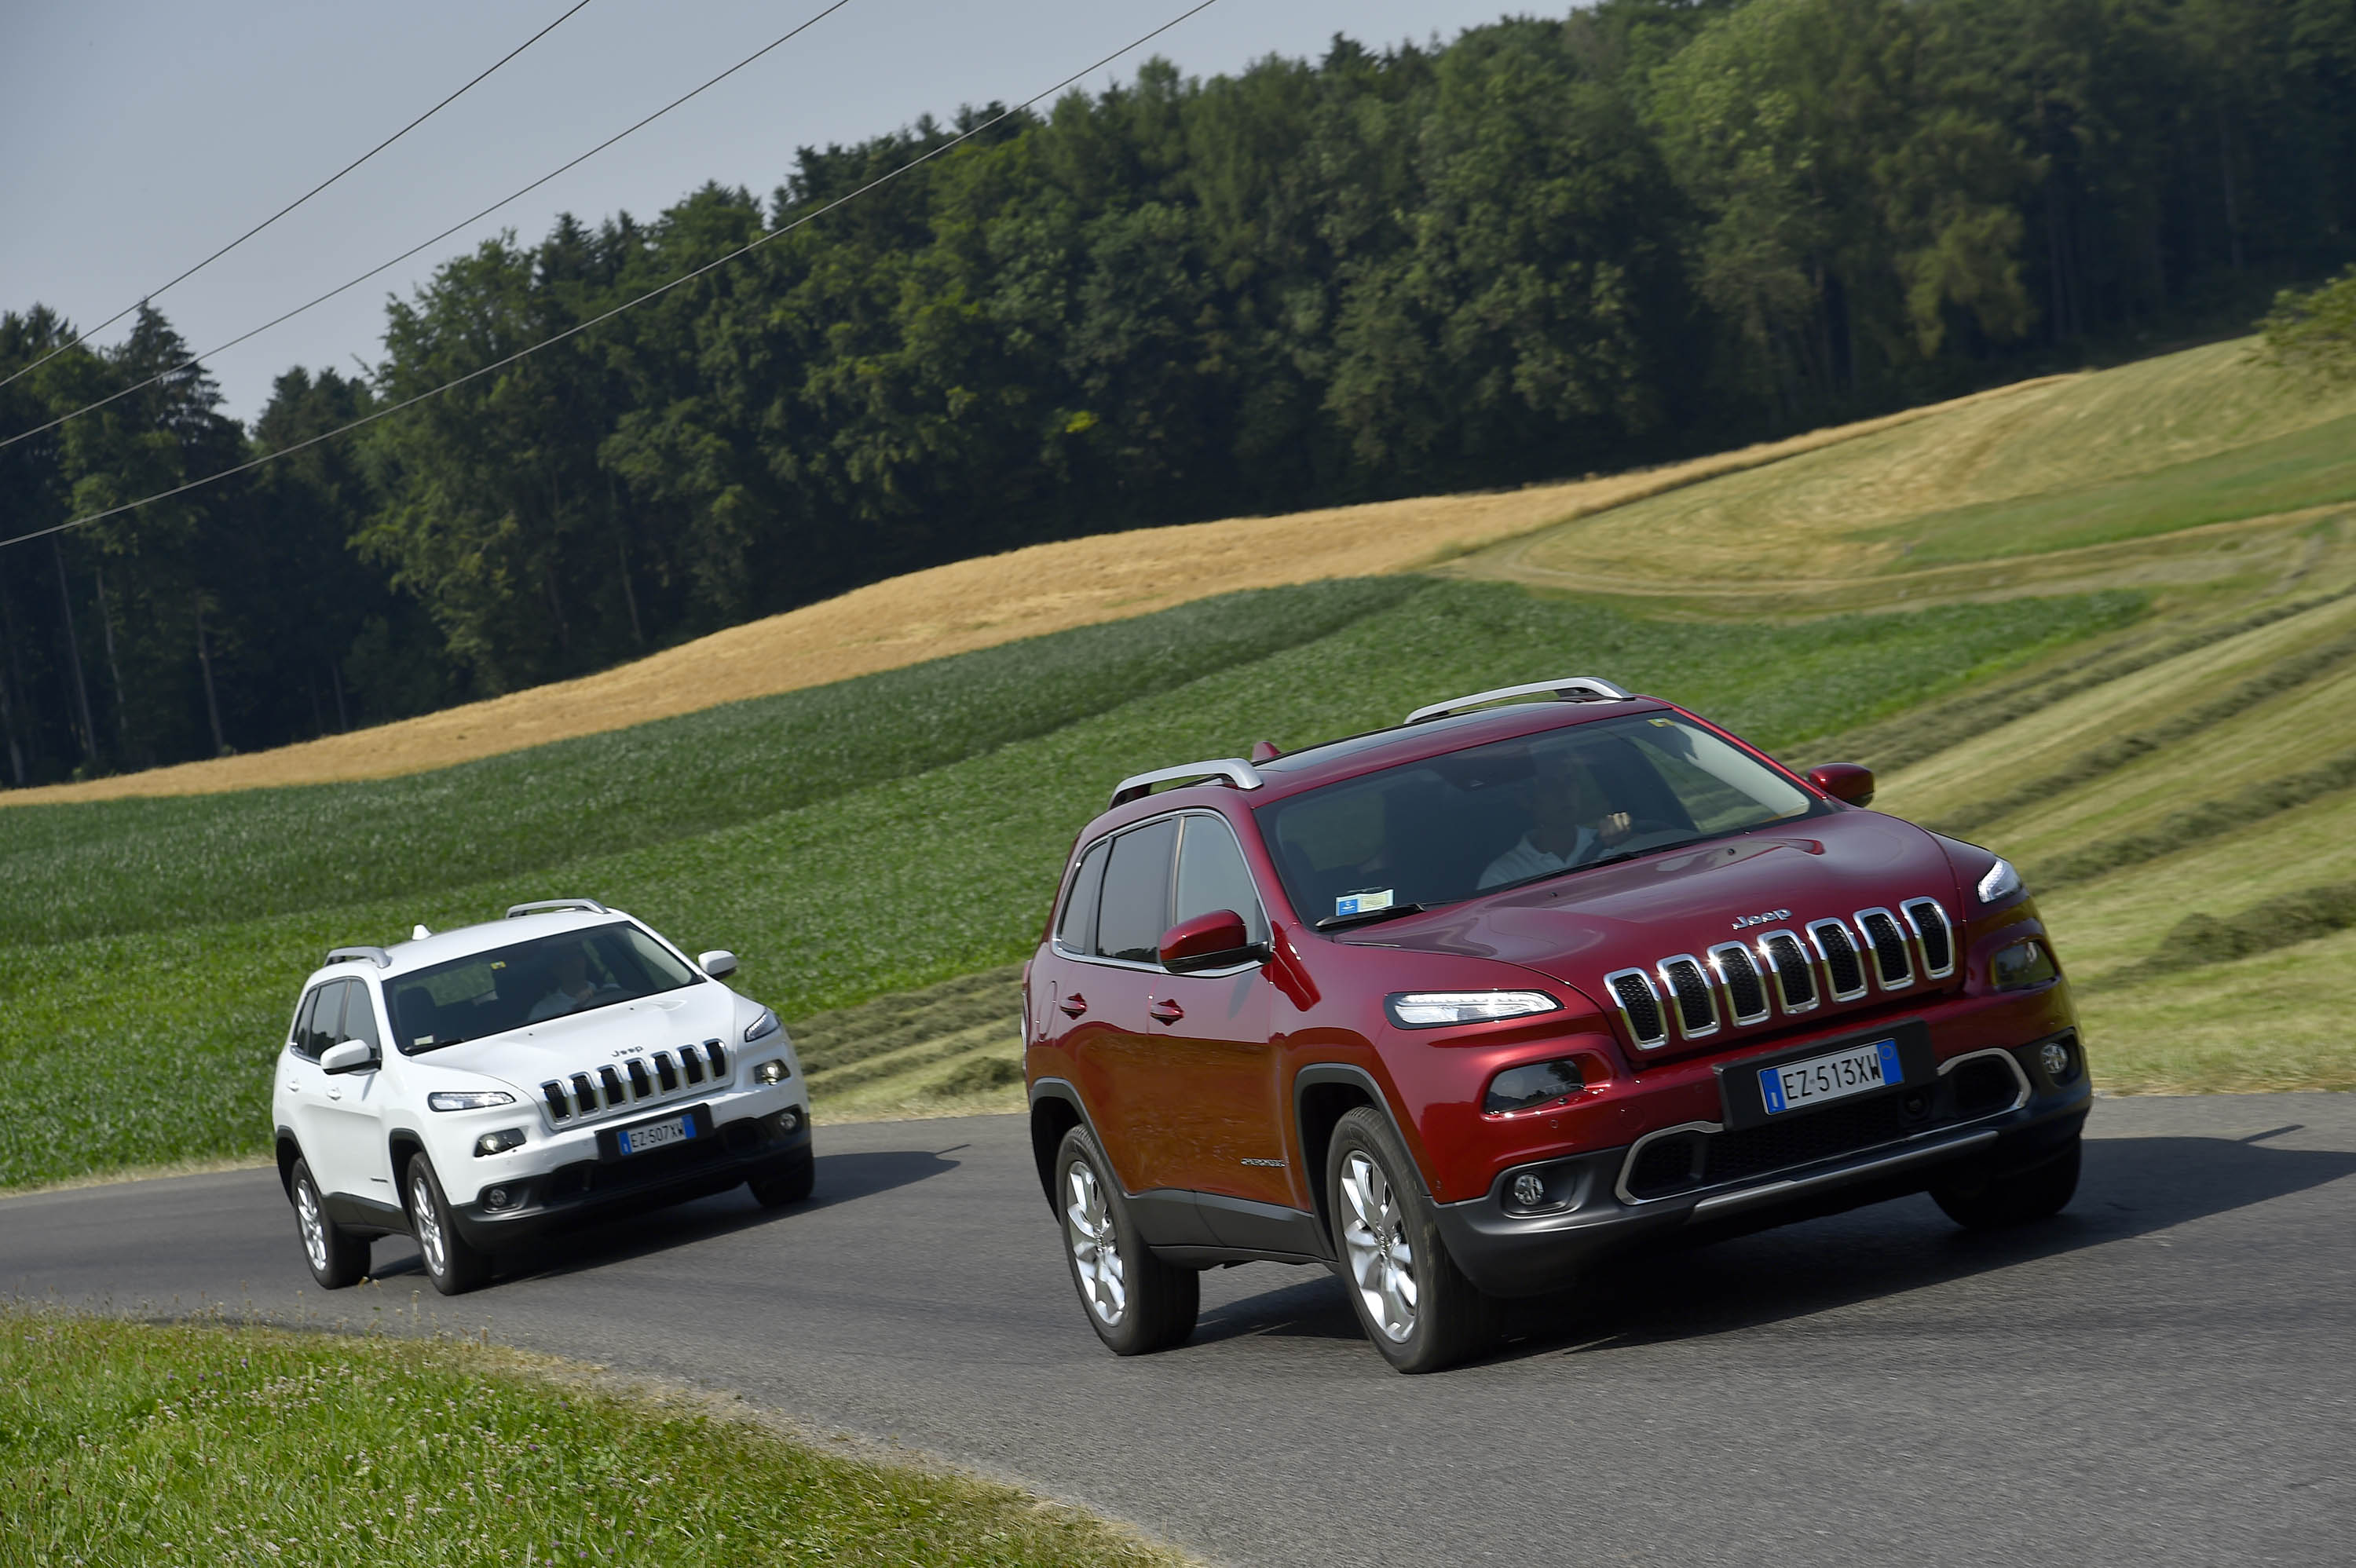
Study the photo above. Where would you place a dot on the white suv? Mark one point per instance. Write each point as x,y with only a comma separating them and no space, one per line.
559,1063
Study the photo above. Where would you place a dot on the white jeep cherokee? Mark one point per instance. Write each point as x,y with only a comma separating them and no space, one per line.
560,1062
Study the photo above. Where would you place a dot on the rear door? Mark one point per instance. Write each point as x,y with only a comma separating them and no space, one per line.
1210,1037
1121,1074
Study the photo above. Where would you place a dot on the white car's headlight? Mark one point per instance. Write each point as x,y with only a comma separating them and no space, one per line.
468,1099
1426,1009
2001,882
762,1027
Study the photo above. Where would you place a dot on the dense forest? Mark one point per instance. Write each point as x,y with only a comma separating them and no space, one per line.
1552,247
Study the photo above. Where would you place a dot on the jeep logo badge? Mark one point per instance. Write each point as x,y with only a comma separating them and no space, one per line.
1748,921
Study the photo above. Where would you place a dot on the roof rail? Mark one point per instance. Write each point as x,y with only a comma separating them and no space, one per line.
1233,770
376,955
545,906
1570,689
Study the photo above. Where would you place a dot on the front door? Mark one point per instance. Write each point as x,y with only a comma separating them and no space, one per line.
336,1116
1210,1041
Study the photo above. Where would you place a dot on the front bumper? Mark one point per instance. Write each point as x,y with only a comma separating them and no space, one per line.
739,1151
1592,1211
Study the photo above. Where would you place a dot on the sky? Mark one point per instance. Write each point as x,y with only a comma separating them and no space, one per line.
136,136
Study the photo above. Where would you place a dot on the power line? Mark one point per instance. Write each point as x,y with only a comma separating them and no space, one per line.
631,304
306,195
423,244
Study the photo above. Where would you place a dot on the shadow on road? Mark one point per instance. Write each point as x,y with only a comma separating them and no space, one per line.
2131,1187
841,1179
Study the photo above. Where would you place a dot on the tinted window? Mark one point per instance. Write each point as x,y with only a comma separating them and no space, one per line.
526,982
1212,875
1486,817
359,1014
1077,928
1135,907
324,1017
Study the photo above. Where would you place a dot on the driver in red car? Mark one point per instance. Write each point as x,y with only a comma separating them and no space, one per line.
1571,823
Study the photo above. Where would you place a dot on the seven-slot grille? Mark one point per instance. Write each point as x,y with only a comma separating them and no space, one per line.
1747,983
638,1078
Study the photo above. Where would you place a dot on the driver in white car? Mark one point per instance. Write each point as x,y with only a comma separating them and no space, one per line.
569,965
1570,824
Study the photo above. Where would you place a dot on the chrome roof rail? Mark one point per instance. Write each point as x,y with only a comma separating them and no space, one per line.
544,906
1234,770
376,955
1570,689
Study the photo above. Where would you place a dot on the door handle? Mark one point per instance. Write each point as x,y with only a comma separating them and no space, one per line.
1074,1005
334,1093
1167,1010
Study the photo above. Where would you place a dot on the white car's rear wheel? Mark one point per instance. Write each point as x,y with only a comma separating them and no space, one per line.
338,1258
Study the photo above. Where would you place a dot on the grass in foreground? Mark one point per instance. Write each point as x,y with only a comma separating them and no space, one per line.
124,1442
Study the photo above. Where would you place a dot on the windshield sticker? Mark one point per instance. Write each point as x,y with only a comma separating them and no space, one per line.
1366,900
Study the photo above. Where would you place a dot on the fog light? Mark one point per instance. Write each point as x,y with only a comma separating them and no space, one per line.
2021,966
1528,1190
2060,1064
502,1197
1537,1084
498,1142
774,1072
789,1121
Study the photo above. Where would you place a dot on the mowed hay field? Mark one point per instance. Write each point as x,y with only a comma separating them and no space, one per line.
2157,726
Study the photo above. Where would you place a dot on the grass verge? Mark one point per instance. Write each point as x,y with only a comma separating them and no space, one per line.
132,1444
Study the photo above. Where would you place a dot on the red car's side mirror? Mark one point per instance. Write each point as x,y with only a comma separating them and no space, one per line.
1844,781
1218,940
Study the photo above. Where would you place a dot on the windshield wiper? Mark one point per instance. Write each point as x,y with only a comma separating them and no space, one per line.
1341,922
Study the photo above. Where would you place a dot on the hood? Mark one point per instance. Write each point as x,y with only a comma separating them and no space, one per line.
583,1042
1579,928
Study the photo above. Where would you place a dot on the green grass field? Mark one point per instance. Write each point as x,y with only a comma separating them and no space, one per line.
880,851
131,1047
128,1443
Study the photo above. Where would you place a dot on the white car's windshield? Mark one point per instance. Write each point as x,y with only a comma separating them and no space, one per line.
1490,818
507,988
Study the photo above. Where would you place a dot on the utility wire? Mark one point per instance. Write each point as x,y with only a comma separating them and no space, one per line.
306,195
631,304
423,244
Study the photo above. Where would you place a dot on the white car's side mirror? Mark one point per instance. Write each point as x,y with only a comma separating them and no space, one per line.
719,963
352,1056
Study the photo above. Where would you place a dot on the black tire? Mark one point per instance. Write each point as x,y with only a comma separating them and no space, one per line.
784,1185
338,1258
1994,1203
1387,1243
1136,1303
454,1264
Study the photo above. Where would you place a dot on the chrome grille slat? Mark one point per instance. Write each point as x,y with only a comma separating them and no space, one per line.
1796,976
613,1083
1697,1000
692,1062
666,1073
1844,965
1893,966
640,1084
1639,1007
719,1055
1935,937
559,1108
1740,983
584,1094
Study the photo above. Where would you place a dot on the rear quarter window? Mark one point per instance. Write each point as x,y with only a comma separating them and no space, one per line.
1076,926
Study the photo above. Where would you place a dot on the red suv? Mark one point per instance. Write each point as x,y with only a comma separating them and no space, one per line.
1457,1008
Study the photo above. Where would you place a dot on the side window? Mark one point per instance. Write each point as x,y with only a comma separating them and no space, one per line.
1076,930
1135,909
1212,875
300,1039
326,1020
359,1015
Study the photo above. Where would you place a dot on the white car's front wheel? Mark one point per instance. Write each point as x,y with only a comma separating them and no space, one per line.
454,1265
338,1258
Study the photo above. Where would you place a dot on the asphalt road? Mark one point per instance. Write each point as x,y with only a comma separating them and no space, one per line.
2165,1374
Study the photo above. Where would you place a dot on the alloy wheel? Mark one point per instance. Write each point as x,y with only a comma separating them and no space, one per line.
427,1219
1382,1259
313,1223
1096,1250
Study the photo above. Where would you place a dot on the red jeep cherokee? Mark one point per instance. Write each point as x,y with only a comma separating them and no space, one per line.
1458,1007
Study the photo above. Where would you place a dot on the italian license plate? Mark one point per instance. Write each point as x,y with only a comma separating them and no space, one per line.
656,1135
1797,1085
